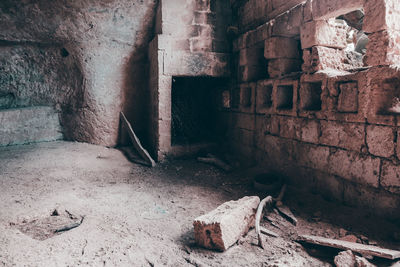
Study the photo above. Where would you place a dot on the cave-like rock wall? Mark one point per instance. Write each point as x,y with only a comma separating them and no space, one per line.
86,58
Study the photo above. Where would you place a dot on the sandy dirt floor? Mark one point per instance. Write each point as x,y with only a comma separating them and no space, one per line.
137,216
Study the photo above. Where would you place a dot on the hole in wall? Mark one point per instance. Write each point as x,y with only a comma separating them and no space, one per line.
310,96
266,96
64,52
284,97
348,97
356,38
194,109
390,97
7,100
245,97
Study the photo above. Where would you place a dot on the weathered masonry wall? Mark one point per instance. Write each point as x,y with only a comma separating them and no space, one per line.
191,41
304,104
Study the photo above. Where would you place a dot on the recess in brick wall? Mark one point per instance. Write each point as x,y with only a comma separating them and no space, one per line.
310,96
284,97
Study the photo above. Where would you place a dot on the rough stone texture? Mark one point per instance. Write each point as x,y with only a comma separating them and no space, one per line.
106,42
281,66
381,15
322,58
380,141
326,9
345,259
310,131
27,125
323,33
355,167
383,48
281,47
32,75
390,178
321,134
348,97
346,135
222,227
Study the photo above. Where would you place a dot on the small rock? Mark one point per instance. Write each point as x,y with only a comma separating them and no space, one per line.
55,213
345,259
342,232
364,239
350,238
361,262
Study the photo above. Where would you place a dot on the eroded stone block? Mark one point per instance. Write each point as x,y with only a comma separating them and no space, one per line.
355,167
346,135
281,47
348,97
380,140
326,9
222,227
383,48
282,66
390,177
381,15
322,33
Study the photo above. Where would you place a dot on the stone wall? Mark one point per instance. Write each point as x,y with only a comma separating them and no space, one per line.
191,41
302,105
88,58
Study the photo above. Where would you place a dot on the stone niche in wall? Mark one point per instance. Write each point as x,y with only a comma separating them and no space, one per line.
188,59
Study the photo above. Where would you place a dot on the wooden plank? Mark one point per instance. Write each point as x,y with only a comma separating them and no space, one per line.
136,142
287,214
356,247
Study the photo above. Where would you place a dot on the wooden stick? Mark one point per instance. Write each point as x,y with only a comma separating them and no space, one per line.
286,213
136,142
69,227
356,247
268,232
260,208
215,161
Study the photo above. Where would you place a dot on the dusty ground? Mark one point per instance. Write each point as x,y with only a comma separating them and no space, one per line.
136,216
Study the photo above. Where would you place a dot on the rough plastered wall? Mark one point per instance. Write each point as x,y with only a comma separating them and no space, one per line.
302,104
87,58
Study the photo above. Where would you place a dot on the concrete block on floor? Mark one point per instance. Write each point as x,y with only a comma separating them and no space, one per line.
222,227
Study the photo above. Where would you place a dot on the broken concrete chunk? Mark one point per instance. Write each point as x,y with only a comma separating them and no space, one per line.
345,259
323,33
222,227
348,259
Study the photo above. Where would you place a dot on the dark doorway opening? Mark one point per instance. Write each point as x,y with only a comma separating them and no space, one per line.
194,109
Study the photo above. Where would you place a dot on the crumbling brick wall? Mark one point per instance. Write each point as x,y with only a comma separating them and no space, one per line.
299,103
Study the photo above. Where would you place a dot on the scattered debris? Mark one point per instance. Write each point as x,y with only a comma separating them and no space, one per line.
55,213
348,259
136,142
268,232
222,227
287,214
342,232
355,247
212,159
55,223
70,226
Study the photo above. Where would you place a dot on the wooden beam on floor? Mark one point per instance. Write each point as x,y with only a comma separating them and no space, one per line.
356,247
136,142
